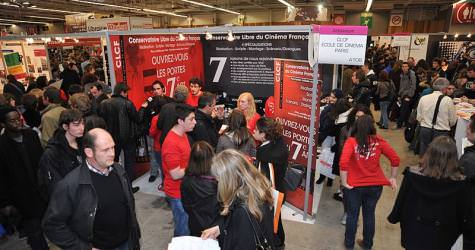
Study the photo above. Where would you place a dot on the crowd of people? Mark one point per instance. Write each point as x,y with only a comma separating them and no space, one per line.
62,141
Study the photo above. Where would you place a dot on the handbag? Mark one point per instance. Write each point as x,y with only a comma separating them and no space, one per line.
278,198
292,179
258,234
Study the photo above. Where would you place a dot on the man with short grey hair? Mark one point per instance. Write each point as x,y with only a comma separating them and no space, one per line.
435,114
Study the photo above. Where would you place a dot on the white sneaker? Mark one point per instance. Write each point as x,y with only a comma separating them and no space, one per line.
343,219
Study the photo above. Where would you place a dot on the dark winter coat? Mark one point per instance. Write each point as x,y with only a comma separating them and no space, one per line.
467,162
69,77
32,118
200,200
69,219
277,153
361,93
432,212
206,128
57,161
121,118
167,119
237,232
326,123
18,181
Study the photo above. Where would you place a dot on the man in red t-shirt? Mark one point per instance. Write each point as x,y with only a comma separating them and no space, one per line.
175,155
195,92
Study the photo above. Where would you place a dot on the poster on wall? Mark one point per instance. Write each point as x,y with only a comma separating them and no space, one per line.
36,58
463,13
139,60
418,48
293,102
14,65
247,63
117,23
460,50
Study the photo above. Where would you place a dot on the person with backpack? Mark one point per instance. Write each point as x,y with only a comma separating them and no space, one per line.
385,91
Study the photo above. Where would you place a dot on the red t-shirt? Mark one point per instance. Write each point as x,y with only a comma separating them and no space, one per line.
192,100
365,170
175,153
155,133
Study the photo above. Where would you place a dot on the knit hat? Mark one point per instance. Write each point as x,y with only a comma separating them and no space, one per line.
181,93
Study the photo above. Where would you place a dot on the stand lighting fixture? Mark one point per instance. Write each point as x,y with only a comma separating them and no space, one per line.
368,5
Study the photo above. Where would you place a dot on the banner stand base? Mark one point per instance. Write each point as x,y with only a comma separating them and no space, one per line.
292,213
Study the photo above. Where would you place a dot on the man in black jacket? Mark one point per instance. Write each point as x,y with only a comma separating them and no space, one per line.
121,119
208,122
467,161
62,154
93,206
167,118
20,151
15,88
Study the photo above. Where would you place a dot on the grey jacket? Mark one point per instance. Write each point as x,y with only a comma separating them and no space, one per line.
407,85
69,219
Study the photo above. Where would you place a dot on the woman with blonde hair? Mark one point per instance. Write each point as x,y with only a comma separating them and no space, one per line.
247,105
247,201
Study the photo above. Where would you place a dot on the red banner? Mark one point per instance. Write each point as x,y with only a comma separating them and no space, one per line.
75,42
293,81
39,52
463,13
139,60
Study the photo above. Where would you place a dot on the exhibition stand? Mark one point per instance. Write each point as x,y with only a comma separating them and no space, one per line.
279,61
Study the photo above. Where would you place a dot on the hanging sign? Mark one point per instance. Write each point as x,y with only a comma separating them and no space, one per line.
341,44
395,20
463,13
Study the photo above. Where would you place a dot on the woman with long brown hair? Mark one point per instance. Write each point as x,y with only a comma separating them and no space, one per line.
247,201
431,204
363,178
237,136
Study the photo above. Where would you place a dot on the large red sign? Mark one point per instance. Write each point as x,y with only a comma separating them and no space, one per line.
139,60
463,13
293,81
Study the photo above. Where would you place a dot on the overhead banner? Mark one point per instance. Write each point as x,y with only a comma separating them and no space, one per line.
340,44
119,23
247,63
76,22
293,103
418,48
457,50
463,13
139,60
403,42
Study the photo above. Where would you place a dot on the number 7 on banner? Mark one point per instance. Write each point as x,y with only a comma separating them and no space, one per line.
297,149
219,70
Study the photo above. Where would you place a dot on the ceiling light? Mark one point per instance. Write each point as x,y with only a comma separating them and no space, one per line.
469,35
5,24
445,36
163,12
181,37
29,40
44,17
290,6
21,21
53,10
208,35
461,1
213,7
230,36
26,3
107,5
456,35
368,6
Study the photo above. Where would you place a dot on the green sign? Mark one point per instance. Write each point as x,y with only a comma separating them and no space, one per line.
12,59
366,19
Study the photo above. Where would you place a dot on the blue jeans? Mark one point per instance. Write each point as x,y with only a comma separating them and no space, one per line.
180,217
365,197
384,120
156,165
